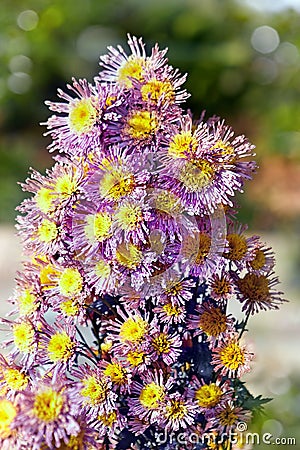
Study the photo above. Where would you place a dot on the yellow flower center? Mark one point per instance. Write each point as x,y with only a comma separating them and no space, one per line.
7,414
208,395
133,329
102,269
27,303
48,405
172,310
44,198
116,373
182,145
225,150
98,226
95,389
82,116
213,322
173,289
237,247
16,380
69,308
196,174
154,89
128,255
24,337
135,358
259,260
108,419
161,343
116,184
176,410
254,287
70,282
227,417
66,185
129,216
167,202
47,231
196,248
60,347
221,287
232,356
151,395
132,68
141,124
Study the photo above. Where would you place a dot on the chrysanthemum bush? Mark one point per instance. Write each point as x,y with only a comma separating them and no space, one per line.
121,336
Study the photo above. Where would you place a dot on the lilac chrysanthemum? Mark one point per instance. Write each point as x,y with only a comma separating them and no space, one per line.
48,413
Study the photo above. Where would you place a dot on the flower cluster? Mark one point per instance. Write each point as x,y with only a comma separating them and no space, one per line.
120,327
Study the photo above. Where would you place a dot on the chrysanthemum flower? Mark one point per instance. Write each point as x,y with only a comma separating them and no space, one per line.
221,286
13,378
230,357
210,321
207,169
263,260
178,413
239,249
96,394
24,338
256,292
57,189
58,347
149,396
123,69
8,413
228,416
83,118
165,346
209,395
48,413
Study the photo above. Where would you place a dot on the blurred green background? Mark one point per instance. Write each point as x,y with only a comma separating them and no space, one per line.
243,61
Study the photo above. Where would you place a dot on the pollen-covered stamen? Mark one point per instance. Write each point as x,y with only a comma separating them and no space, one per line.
15,379
182,145
116,373
133,330
208,395
8,412
155,89
254,287
176,409
161,343
48,405
151,395
196,174
60,347
132,68
129,255
70,282
259,260
24,337
116,184
82,115
141,124
47,231
213,321
129,216
95,389
232,356
98,226
237,247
